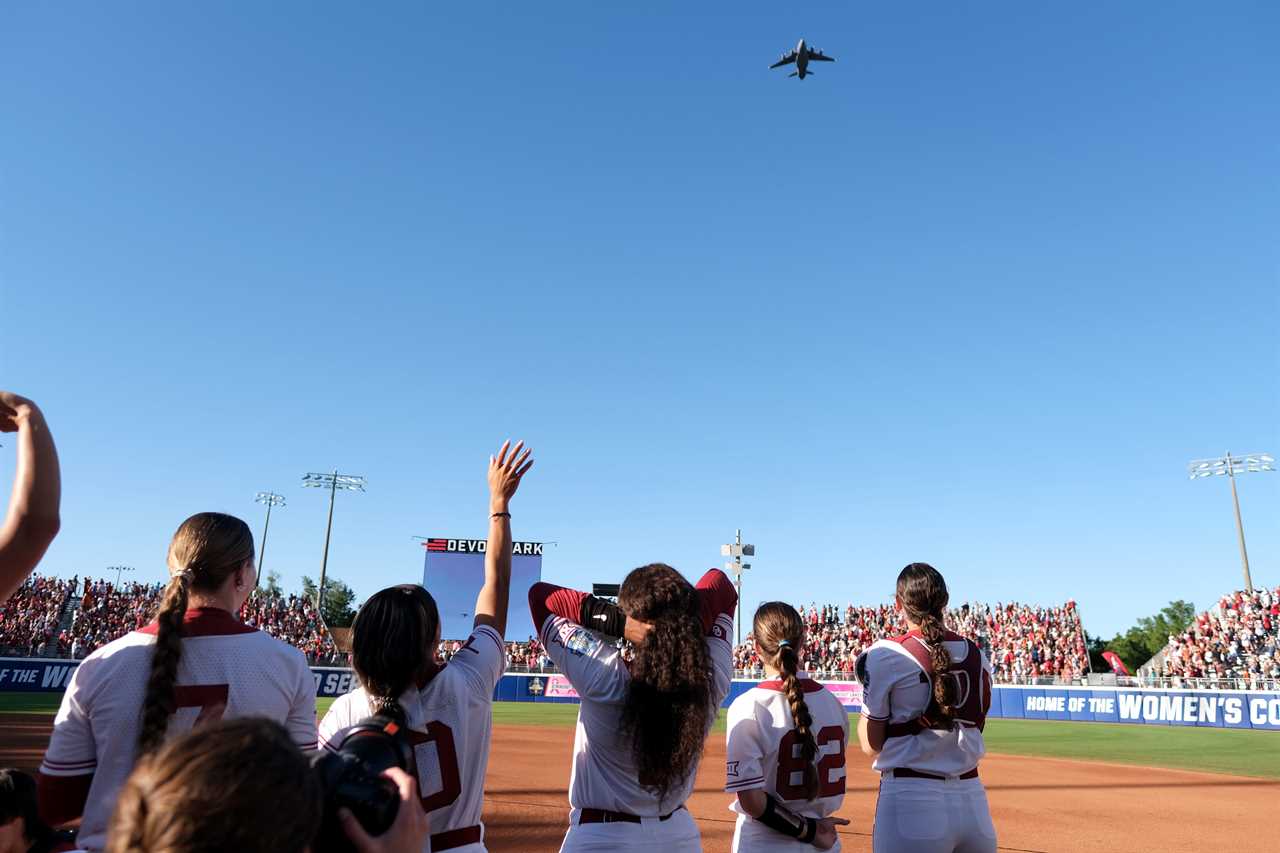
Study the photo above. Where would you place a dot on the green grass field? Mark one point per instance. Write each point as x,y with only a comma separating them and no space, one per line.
1238,752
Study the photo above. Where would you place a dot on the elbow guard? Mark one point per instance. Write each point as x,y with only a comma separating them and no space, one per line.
602,617
781,819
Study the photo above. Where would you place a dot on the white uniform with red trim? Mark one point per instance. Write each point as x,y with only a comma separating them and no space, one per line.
449,723
604,774
918,815
763,752
227,669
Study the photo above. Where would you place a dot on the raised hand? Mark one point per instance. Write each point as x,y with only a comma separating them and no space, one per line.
505,471
14,410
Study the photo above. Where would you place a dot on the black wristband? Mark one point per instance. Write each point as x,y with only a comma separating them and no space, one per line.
501,515
601,616
781,819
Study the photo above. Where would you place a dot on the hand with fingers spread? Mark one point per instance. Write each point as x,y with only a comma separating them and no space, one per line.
408,834
505,471
15,410
826,837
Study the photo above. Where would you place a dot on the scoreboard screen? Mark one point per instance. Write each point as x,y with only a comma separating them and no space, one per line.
453,573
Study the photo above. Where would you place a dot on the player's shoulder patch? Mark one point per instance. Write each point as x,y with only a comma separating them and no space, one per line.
576,639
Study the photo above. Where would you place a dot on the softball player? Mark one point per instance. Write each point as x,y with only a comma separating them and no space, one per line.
785,749
448,709
642,723
925,701
196,663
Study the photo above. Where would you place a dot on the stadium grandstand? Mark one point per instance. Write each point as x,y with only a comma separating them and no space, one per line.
1235,645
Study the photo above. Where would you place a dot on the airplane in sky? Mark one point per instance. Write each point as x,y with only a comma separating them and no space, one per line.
802,56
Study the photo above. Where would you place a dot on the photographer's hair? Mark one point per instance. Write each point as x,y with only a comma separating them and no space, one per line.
238,785
669,704
779,632
923,595
392,642
207,549
18,800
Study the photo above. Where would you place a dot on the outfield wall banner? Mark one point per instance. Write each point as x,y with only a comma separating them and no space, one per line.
1230,709
453,572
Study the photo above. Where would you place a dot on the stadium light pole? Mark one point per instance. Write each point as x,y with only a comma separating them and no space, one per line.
1229,466
118,570
333,481
737,550
270,499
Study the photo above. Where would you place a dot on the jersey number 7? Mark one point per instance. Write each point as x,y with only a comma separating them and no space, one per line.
790,763
211,699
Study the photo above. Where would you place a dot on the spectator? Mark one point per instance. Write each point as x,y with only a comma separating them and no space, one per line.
31,615
33,519
241,785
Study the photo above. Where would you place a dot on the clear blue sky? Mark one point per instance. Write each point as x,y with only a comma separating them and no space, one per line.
974,294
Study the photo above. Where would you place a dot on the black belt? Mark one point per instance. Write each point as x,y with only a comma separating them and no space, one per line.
606,816
456,838
908,773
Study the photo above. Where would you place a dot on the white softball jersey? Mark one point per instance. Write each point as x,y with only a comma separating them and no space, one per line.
227,669
763,752
450,720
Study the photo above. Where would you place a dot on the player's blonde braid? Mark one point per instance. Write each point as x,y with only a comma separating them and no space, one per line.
206,549
779,632
923,595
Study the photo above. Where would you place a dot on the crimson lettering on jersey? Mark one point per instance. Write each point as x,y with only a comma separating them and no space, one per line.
973,684
447,758
790,762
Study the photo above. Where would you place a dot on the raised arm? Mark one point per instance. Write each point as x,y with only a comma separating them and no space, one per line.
717,597
33,520
505,471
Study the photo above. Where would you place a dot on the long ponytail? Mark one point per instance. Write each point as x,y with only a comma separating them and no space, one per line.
779,632
923,595
206,549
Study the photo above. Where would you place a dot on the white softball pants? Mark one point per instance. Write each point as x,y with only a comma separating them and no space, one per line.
933,816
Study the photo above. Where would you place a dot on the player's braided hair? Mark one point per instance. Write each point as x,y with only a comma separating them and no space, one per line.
393,642
236,785
923,595
669,704
206,550
779,633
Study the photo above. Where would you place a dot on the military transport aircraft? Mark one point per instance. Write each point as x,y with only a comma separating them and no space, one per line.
802,56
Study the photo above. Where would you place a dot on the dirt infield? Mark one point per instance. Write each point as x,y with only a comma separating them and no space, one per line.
1039,804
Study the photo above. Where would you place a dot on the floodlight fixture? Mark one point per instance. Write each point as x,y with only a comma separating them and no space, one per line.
737,549
118,570
1232,466
271,499
334,482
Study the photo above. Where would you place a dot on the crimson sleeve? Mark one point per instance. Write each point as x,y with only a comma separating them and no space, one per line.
717,596
61,798
547,599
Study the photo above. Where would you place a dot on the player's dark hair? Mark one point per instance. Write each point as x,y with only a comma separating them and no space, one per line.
923,595
393,641
669,704
18,800
779,632
238,784
207,549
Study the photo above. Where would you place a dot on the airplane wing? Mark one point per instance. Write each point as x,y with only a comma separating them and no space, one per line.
821,57
786,59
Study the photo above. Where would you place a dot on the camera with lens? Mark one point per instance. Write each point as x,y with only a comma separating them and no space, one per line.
352,778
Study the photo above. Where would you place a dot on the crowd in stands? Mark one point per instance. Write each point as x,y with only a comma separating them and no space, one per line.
293,619
29,619
1024,643
527,656
1236,644
107,612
